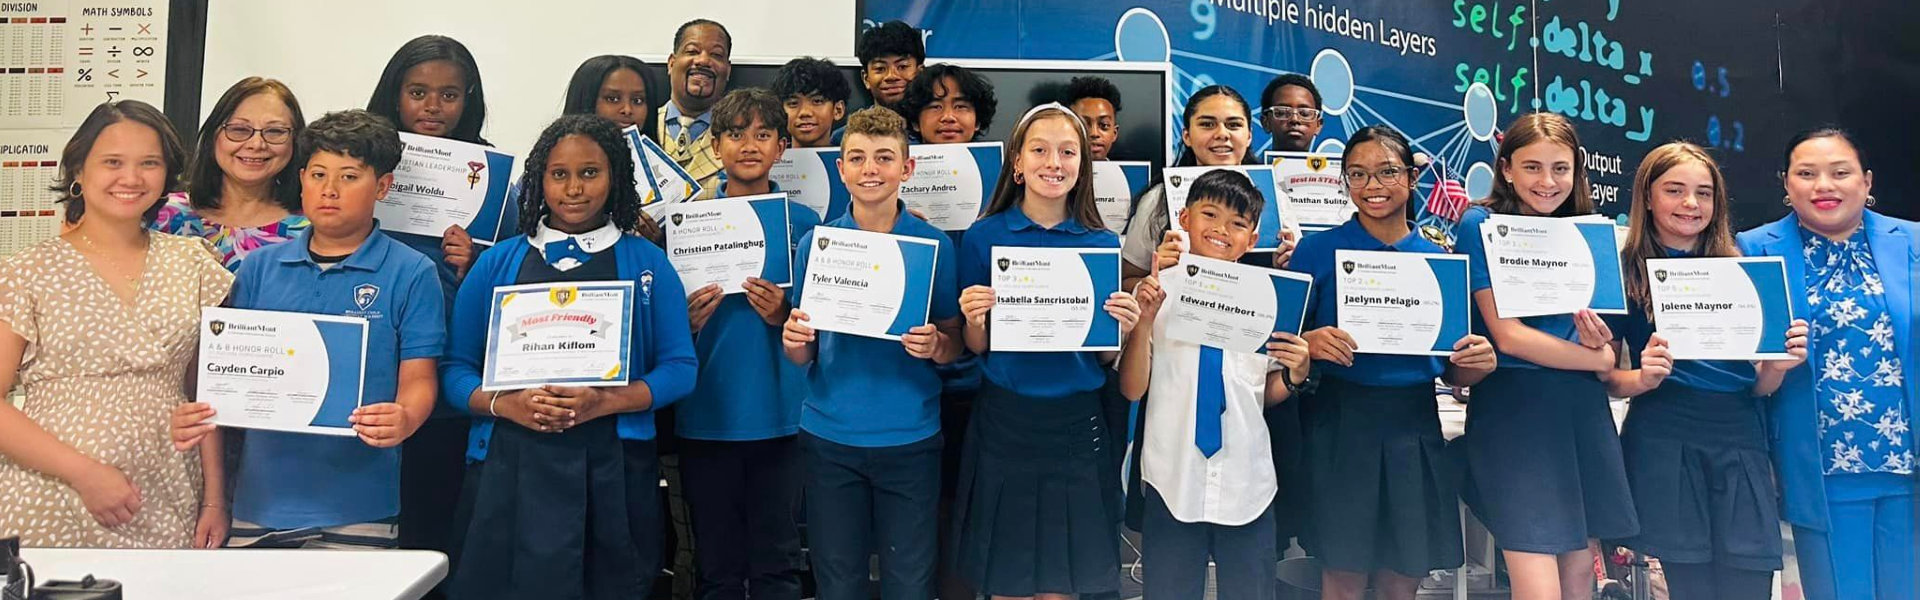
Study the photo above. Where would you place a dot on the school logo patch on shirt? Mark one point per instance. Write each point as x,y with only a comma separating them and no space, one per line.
646,284
364,295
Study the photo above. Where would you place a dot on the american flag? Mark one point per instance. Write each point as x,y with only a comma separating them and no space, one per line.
1449,197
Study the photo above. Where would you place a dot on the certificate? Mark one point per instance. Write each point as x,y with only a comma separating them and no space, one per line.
441,183
811,178
659,180
1180,179
727,240
571,333
1722,308
282,371
1312,194
1231,306
1115,185
1054,299
950,182
868,284
1403,302
1551,266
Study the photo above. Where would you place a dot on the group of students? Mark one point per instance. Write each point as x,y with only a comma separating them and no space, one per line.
995,471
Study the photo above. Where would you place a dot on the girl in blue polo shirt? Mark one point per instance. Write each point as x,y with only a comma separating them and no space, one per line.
1542,452
1033,515
1695,441
1384,498
563,492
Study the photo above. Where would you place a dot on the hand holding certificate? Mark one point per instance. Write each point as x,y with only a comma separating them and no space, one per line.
1722,308
281,371
727,240
1553,266
1054,299
570,333
1231,306
869,284
442,183
1402,302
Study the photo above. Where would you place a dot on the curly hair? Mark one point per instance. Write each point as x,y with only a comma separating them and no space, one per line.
623,202
1088,86
892,38
807,76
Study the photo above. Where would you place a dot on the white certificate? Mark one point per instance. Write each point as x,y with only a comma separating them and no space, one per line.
811,178
1054,299
725,241
282,371
659,180
1231,306
1179,181
950,182
1312,194
570,333
868,284
441,183
1115,185
1553,266
1722,308
1403,302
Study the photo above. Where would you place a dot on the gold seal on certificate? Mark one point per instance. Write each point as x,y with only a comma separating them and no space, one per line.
568,333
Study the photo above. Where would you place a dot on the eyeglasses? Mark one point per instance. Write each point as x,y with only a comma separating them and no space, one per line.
1388,176
1286,113
240,133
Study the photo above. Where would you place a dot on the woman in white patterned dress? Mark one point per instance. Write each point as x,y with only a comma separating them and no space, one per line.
100,327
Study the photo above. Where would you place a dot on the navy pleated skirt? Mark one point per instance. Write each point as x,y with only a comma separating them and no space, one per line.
1384,490
1543,461
1035,512
1702,480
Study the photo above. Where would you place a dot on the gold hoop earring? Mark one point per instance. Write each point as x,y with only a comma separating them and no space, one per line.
1019,178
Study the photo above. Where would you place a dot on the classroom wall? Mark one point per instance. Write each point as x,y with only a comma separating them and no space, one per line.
331,51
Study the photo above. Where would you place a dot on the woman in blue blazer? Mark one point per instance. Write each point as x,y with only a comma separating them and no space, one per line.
1842,444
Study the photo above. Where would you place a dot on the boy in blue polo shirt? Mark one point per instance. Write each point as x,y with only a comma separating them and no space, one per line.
870,426
308,491
738,450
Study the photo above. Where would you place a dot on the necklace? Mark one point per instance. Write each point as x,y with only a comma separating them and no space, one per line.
119,268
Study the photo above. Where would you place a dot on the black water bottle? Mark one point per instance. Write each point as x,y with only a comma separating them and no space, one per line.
15,569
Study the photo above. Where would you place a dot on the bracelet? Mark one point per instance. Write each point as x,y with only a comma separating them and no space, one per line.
490,405
213,505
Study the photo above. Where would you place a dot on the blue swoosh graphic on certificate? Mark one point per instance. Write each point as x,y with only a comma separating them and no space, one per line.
1770,284
1607,293
486,224
778,267
1103,270
1454,300
917,286
1293,296
344,343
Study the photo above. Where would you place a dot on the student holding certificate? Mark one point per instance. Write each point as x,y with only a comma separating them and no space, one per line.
1695,420
740,456
870,426
294,489
1842,443
543,456
1384,499
1028,445
1547,473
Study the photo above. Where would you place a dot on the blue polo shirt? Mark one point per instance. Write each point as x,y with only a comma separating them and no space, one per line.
868,392
747,389
1315,256
1467,241
1036,374
290,480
